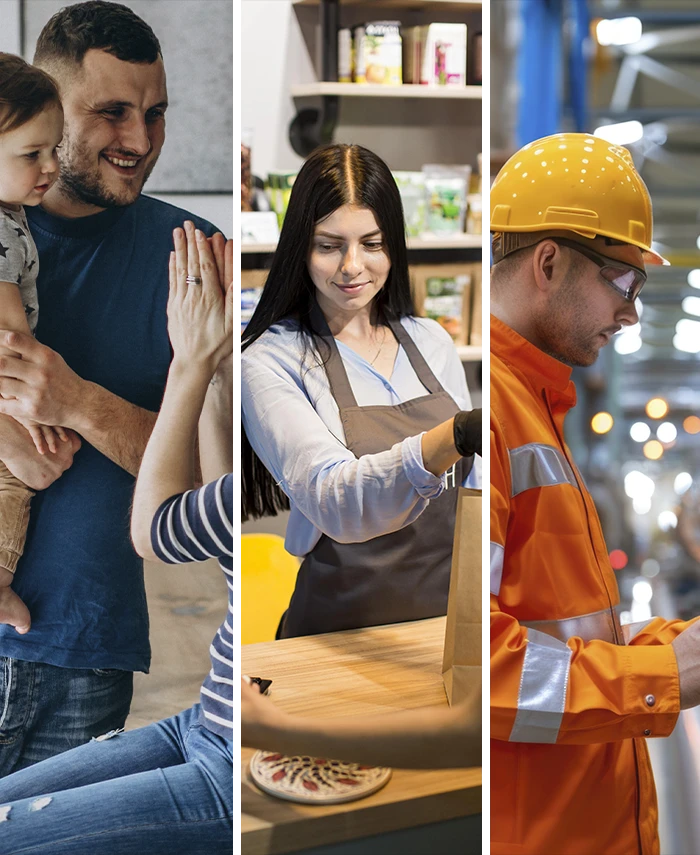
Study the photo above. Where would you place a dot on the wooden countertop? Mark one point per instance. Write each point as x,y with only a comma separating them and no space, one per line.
358,672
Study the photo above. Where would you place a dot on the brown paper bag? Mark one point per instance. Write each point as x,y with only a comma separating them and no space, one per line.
461,664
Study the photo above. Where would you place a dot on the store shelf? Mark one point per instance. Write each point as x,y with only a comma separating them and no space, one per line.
469,352
462,241
259,248
440,5
378,90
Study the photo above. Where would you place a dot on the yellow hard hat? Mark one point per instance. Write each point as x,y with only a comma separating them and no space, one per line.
575,183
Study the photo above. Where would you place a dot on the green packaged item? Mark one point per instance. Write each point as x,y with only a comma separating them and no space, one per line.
446,197
279,186
412,189
444,301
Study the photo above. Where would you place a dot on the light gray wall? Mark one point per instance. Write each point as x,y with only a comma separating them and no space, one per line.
9,26
196,39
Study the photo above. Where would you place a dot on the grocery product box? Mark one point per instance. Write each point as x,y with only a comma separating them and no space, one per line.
412,189
443,292
435,54
377,53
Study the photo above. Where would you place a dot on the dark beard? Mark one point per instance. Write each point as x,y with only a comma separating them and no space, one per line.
88,189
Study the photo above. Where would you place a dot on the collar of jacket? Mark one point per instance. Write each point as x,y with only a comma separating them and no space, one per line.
544,372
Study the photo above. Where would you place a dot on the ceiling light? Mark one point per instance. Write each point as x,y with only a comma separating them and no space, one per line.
641,505
639,485
691,306
653,450
667,520
686,344
666,432
682,483
618,31
656,408
640,431
625,344
694,278
602,422
621,133
691,424
642,591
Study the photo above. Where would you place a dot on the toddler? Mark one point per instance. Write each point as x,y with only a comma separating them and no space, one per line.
31,127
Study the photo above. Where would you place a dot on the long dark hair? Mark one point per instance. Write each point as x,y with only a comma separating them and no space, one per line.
333,176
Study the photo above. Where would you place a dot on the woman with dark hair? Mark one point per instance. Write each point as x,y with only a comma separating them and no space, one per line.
354,409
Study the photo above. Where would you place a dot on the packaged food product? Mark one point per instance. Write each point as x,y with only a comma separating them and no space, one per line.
474,214
344,56
378,53
446,198
412,189
443,292
358,56
476,60
436,54
279,185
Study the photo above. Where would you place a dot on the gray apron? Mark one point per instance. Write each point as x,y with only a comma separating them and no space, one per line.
400,576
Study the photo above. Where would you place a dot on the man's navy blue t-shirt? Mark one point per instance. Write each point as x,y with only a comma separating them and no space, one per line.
103,290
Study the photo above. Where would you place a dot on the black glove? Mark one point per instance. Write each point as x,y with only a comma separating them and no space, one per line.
467,432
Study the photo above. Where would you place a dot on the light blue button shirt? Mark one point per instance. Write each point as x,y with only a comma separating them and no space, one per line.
293,423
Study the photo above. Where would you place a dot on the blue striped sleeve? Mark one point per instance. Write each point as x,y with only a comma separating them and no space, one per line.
195,525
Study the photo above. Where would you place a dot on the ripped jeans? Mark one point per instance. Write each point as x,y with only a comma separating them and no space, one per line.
45,710
165,789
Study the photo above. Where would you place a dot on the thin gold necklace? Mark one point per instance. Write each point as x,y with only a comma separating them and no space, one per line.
376,356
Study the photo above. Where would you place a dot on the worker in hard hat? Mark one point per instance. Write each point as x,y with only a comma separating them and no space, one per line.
573,693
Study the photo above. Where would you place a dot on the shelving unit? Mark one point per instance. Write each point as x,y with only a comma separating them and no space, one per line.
377,90
469,352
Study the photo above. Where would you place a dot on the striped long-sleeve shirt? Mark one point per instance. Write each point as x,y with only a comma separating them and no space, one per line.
194,526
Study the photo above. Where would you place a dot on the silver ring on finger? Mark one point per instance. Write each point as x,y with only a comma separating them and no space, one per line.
193,280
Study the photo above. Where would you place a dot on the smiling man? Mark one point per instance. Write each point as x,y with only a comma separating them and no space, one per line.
573,694
98,366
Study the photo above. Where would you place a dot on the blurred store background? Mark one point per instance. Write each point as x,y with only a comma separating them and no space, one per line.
629,72
319,71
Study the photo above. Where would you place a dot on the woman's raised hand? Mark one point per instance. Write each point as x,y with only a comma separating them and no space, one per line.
200,311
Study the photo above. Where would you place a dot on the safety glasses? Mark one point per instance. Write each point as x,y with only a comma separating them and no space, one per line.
626,279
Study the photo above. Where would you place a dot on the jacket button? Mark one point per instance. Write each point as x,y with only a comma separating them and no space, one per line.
650,700
647,733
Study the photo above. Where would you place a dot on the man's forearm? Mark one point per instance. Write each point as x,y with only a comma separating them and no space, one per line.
115,427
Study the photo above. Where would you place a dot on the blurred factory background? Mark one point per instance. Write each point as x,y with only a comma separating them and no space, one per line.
630,73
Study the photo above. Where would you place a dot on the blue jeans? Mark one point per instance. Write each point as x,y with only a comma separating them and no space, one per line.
165,789
45,710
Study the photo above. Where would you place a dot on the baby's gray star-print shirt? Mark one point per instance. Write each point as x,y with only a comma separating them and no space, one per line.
19,261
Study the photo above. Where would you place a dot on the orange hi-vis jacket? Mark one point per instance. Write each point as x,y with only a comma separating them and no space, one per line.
573,694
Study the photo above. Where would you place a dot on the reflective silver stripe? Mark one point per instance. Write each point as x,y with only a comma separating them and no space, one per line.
629,630
539,465
543,685
496,567
603,625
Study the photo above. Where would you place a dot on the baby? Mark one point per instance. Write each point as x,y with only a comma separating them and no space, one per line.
31,127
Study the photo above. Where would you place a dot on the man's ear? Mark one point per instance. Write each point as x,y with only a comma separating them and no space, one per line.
547,265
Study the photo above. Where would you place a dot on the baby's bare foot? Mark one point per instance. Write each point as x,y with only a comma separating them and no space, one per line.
13,611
